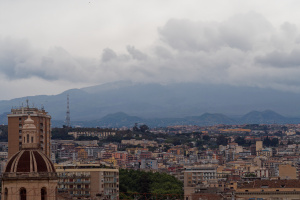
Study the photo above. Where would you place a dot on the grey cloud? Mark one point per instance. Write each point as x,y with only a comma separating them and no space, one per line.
108,54
136,54
162,52
240,31
246,49
281,59
13,53
19,60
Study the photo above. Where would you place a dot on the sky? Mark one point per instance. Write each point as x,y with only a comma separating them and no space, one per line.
47,47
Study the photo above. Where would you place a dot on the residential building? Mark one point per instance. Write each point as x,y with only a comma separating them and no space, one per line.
89,181
42,122
197,175
269,190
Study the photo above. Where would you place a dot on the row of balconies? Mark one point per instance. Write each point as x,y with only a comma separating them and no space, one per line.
114,181
110,176
74,175
74,189
74,183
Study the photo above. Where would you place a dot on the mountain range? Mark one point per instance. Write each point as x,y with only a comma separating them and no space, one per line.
159,105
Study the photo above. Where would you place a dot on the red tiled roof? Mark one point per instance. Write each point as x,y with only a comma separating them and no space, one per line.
272,184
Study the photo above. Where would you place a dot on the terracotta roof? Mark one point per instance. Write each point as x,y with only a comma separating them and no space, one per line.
272,184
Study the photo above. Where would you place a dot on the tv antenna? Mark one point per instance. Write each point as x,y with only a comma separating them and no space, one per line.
68,123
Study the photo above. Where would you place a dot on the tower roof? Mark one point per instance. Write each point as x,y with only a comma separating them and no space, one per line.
29,161
29,123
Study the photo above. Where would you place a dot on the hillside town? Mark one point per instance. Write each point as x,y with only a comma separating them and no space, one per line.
212,162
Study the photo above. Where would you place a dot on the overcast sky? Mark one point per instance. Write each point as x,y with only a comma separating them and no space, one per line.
47,47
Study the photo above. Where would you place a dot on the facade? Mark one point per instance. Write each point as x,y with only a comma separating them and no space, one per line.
149,164
42,122
100,135
287,172
196,176
29,173
89,181
259,145
269,190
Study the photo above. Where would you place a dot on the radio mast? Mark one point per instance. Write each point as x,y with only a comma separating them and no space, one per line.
68,123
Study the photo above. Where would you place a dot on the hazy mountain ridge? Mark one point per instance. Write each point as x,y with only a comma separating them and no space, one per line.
207,119
166,104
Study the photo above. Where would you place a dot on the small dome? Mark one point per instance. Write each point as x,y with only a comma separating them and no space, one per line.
28,120
29,123
29,161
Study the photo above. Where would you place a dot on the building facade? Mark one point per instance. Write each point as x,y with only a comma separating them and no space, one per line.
88,181
42,122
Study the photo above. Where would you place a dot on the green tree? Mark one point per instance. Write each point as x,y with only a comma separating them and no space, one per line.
206,137
274,142
136,128
267,142
222,140
144,128
240,140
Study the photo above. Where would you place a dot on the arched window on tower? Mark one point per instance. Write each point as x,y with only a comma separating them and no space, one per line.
31,139
5,194
22,194
27,138
43,193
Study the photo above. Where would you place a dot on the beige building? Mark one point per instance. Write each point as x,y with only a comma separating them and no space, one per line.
287,172
142,142
198,175
42,122
88,181
29,173
259,145
100,135
269,190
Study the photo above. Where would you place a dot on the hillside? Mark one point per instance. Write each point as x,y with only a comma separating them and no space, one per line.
164,104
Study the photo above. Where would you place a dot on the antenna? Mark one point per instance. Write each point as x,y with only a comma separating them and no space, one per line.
68,123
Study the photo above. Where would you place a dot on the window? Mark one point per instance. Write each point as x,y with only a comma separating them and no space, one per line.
27,138
6,194
31,139
22,194
43,193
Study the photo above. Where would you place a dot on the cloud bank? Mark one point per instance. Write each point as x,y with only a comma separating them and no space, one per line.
245,49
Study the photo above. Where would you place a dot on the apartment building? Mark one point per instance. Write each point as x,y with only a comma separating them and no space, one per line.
88,181
100,135
42,121
197,175
269,190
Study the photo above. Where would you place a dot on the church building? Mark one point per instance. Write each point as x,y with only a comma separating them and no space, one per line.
29,173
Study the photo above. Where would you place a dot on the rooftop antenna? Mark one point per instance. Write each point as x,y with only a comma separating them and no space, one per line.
68,124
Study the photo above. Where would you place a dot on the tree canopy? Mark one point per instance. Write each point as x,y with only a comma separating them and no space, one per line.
132,181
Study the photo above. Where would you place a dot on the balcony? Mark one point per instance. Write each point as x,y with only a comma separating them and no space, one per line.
112,176
114,181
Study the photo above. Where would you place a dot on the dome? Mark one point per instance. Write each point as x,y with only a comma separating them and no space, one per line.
29,161
29,123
